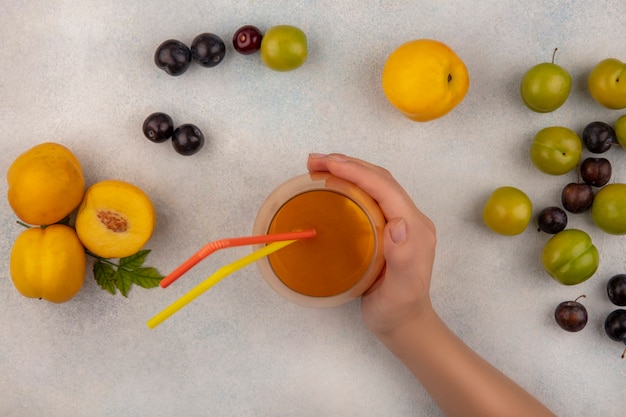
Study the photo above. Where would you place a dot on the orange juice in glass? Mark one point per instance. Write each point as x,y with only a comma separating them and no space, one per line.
345,256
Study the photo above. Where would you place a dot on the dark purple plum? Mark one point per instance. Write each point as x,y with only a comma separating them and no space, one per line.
615,326
247,39
173,57
208,49
571,315
552,220
598,137
616,289
596,171
577,197
187,139
158,127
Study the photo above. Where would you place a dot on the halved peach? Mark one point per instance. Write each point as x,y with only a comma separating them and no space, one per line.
115,219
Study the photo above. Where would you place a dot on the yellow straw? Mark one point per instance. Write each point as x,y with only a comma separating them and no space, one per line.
214,279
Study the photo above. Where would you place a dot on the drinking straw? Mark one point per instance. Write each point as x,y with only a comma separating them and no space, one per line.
230,242
214,279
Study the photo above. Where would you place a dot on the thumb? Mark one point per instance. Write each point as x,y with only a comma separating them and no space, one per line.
409,251
399,254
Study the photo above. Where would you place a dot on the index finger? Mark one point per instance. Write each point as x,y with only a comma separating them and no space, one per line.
393,200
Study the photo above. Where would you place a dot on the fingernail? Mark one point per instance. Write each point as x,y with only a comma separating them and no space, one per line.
337,158
398,231
317,155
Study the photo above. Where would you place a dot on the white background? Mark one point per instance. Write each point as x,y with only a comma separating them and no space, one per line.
81,73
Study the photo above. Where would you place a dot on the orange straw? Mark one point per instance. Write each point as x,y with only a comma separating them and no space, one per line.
228,243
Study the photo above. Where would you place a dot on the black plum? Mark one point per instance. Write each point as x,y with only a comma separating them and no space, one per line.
571,315
598,137
576,197
247,39
596,171
187,139
615,327
158,127
208,49
616,289
173,57
552,220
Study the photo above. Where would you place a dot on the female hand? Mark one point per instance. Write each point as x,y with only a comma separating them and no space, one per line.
398,310
400,295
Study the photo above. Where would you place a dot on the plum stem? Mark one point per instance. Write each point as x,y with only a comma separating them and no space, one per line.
554,54
582,296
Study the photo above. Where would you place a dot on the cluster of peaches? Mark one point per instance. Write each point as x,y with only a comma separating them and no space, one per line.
113,219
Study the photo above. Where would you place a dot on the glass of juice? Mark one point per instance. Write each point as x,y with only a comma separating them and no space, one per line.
346,255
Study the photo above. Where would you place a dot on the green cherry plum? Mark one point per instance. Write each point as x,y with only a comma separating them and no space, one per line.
608,210
545,87
570,257
607,83
556,150
284,48
507,211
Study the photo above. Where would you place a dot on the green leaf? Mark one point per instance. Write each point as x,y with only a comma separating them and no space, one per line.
104,275
147,277
123,281
121,276
134,261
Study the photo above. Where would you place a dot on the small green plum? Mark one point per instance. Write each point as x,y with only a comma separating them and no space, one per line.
608,210
507,211
556,150
570,257
607,84
545,87
284,48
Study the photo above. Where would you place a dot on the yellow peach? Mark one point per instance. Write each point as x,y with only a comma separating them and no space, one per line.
115,219
424,79
46,184
48,263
